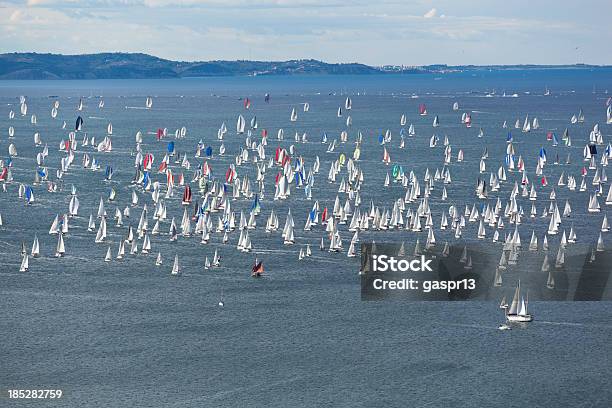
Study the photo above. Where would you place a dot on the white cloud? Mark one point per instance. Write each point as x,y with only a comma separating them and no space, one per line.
431,13
198,3
15,16
332,30
44,3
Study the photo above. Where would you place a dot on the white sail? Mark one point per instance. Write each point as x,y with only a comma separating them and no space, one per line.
240,124
35,247
101,210
101,234
54,226
175,267
121,250
25,263
518,308
73,207
61,248
108,256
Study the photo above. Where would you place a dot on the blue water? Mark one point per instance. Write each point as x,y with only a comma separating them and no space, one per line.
126,333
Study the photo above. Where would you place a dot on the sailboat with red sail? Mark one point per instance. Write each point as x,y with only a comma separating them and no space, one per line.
258,269
187,195
422,109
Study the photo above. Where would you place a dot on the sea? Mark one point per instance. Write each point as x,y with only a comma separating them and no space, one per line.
127,333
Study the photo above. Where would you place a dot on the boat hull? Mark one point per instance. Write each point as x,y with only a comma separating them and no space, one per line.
519,318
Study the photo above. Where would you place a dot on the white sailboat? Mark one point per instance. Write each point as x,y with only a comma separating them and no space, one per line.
101,234
216,259
240,124
146,245
73,207
55,229
121,250
109,255
25,263
35,247
175,267
91,225
518,308
61,248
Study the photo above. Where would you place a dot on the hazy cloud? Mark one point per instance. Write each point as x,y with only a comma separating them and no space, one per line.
431,13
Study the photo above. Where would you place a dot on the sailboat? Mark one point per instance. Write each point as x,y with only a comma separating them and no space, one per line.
175,267
146,245
436,121
73,207
25,263
101,234
108,256
258,269
121,250
221,301
504,306
348,103
61,248
35,247
518,308
422,109
216,259
240,124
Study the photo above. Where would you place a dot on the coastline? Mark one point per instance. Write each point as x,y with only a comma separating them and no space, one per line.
34,66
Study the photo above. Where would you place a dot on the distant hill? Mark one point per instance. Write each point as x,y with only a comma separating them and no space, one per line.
132,66
122,65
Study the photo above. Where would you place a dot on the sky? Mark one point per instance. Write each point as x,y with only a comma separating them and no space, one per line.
381,32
